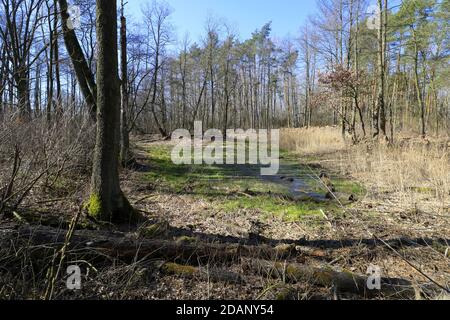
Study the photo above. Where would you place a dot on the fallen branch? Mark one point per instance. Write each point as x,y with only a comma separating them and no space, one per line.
342,282
208,274
129,247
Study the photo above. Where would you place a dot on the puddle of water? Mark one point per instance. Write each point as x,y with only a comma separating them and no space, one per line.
292,176
299,183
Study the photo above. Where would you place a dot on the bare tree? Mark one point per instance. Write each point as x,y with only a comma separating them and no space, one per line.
159,33
22,20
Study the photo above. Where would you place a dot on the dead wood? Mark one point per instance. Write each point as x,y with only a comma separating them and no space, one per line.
204,273
129,247
341,281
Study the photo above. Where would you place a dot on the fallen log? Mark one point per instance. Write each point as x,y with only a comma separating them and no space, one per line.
128,247
341,281
209,274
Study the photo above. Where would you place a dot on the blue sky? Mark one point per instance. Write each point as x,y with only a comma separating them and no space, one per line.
244,16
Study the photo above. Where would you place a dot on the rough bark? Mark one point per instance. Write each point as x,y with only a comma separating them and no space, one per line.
23,93
214,274
380,114
107,202
84,75
125,138
419,91
59,107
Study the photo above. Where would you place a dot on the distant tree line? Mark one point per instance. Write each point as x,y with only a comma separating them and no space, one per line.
372,74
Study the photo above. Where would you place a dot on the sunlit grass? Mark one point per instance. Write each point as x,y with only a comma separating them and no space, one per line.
229,190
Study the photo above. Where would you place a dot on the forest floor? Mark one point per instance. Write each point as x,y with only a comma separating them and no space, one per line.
235,204
348,230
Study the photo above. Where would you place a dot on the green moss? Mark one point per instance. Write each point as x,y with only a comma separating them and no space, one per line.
293,272
324,277
425,190
290,210
186,240
177,269
94,206
286,293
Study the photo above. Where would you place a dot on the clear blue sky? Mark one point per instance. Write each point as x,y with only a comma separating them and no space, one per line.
243,15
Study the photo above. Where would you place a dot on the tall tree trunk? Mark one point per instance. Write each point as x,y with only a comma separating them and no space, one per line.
37,92
157,66
419,92
23,93
107,202
125,138
58,103
213,98
84,75
380,114
356,59
3,78
50,78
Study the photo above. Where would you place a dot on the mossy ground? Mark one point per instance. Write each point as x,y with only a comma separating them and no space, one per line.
232,187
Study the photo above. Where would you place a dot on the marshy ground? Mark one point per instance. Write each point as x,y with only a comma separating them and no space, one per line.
235,204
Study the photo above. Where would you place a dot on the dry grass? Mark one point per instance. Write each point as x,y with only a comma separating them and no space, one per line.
312,140
416,167
408,195
414,170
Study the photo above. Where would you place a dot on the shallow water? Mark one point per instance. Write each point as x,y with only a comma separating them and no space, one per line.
300,182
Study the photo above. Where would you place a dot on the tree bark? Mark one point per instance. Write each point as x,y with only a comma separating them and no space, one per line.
84,75
418,88
58,104
380,114
107,201
125,138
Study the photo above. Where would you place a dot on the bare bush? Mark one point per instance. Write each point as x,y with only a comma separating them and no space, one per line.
34,156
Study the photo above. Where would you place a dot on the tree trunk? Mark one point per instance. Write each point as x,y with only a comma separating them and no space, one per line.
23,93
50,79
125,138
37,93
107,201
84,75
380,114
58,103
161,130
419,93
3,79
